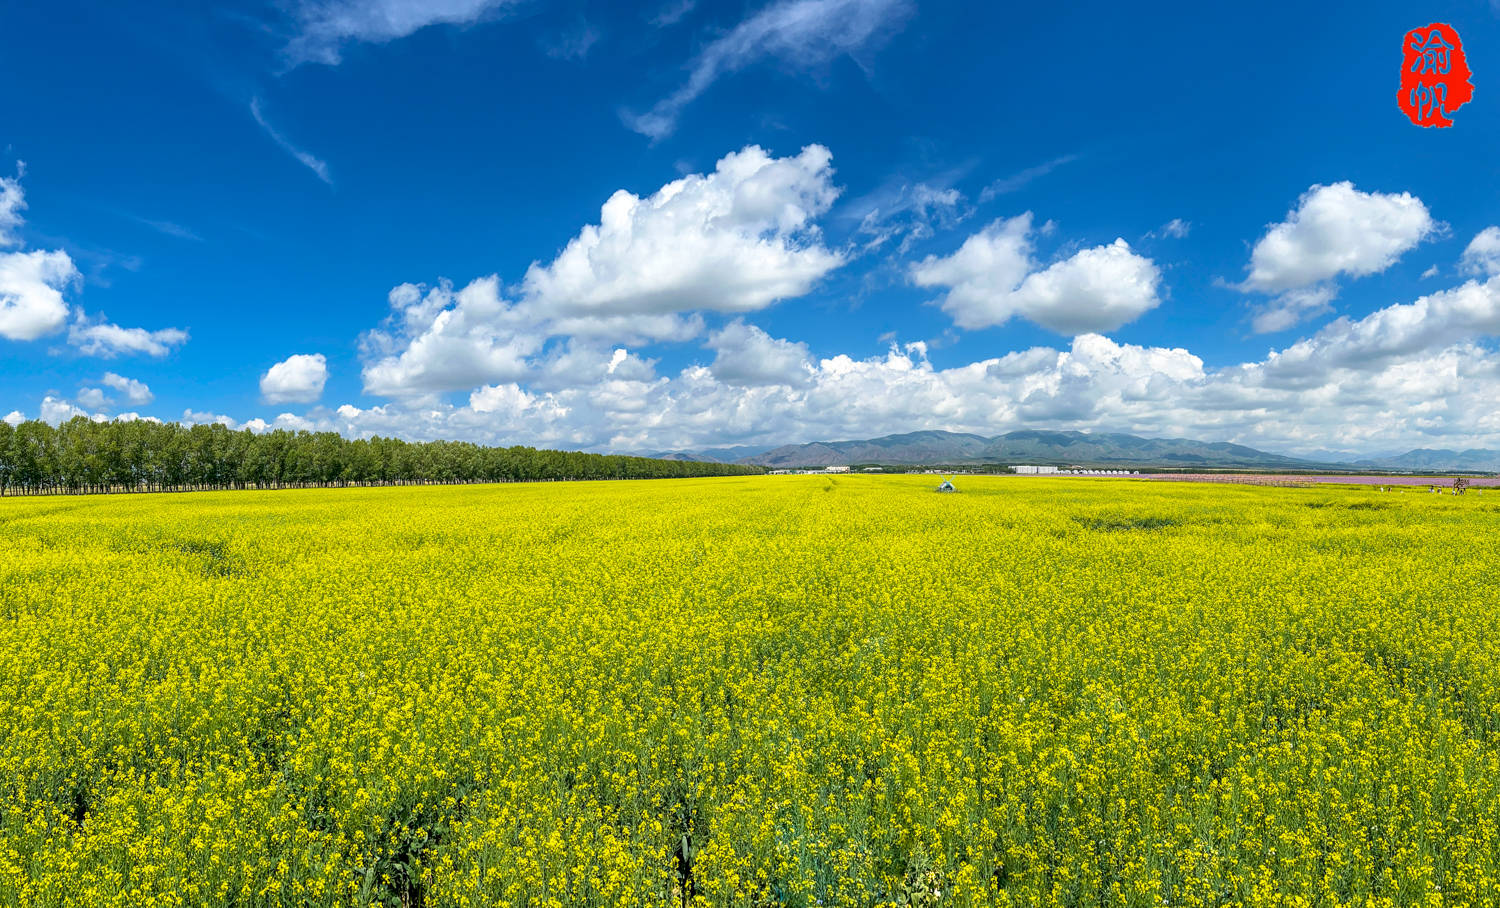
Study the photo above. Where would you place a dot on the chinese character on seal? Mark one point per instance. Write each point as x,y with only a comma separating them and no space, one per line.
1434,75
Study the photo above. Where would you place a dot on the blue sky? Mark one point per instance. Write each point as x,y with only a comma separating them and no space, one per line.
684,224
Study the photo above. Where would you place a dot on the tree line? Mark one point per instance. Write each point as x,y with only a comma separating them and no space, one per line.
82,456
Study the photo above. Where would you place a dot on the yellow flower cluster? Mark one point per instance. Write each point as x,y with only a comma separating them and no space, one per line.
751,691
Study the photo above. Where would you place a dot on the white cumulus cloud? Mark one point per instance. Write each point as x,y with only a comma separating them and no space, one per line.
296,379
507,398
1334,230
993,278
746,355
442,340
57,411
292,422
192,417
136,392
31,293
31,296
735,240
1436,321
1482,256
1409,375
99,337
93,398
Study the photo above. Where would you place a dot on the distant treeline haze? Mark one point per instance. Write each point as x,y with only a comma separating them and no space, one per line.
86,456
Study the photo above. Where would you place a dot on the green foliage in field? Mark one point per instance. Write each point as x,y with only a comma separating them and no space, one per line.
82,455
751,691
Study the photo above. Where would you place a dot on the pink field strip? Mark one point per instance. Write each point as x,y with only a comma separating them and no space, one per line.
1278,479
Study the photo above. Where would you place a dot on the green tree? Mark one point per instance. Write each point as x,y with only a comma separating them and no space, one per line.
82,455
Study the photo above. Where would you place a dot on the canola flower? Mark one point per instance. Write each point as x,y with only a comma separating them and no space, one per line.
751,691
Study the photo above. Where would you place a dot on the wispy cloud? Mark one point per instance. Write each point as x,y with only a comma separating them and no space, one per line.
673,12
1174,229
316,165
12,203
1293,307
803,33
95,262
909,210
168,228
325,26
574,44
1019,180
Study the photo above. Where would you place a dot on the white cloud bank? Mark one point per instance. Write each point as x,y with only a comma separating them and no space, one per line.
735,240
556,360
296,379
993,278
1413,375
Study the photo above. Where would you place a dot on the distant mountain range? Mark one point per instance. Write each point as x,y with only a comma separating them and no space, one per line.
1029,446
1107,450
737,454
1426,459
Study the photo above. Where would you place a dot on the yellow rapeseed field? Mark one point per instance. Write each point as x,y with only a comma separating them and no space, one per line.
754,691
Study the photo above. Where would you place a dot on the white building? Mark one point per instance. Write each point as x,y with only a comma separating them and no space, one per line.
836,470
1035,470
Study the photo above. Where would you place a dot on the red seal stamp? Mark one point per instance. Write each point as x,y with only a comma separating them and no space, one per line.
1434,75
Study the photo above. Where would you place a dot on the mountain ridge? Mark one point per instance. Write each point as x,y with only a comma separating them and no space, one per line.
1063,448
1480,459
1071,448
